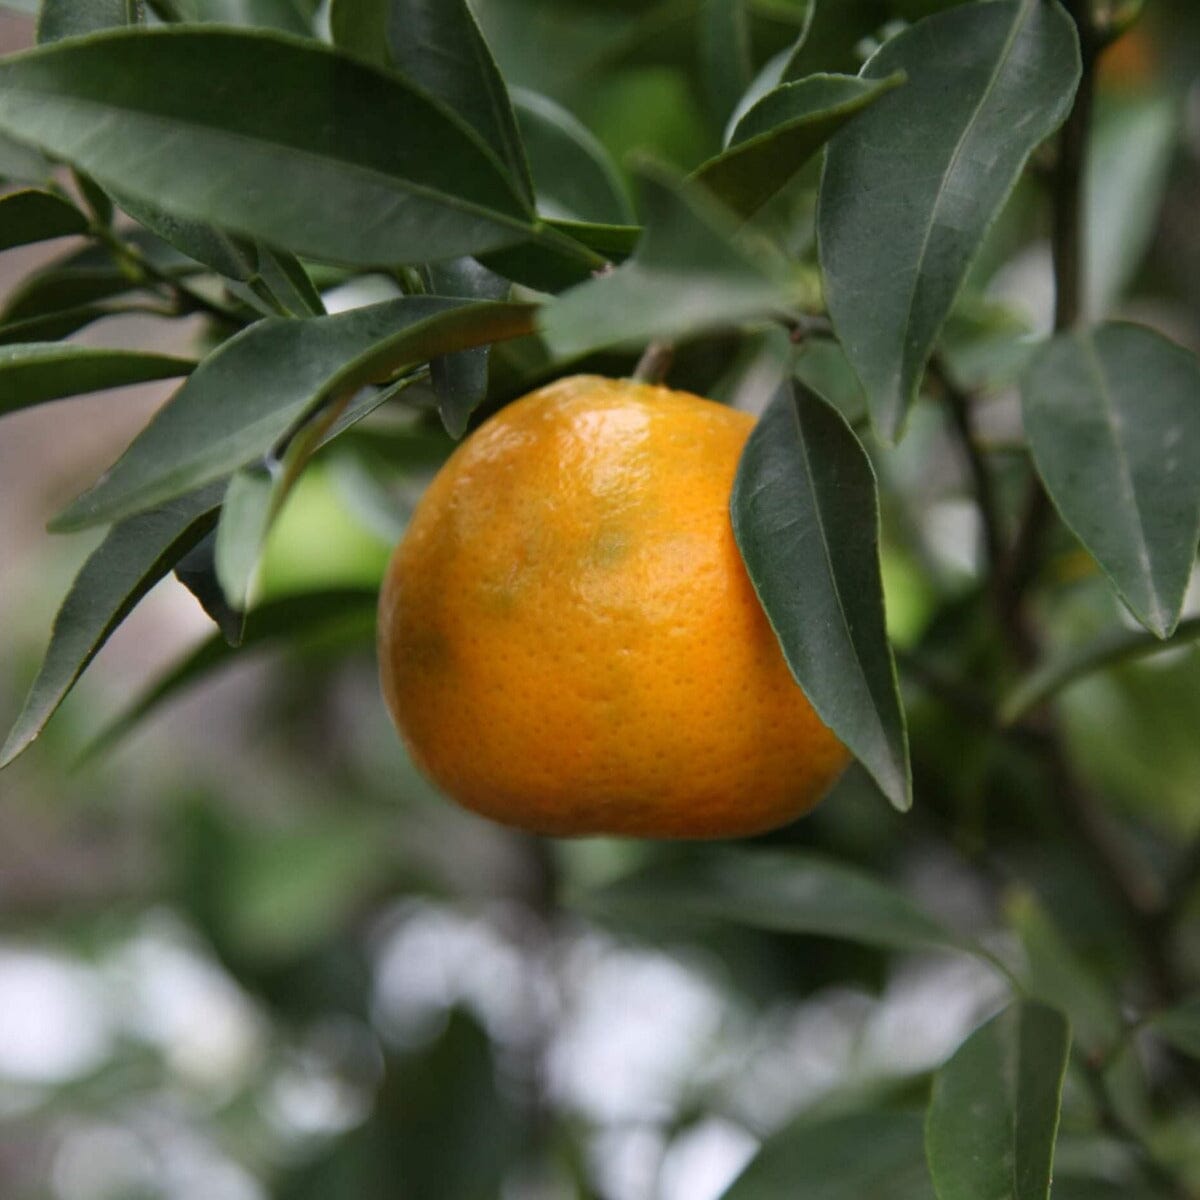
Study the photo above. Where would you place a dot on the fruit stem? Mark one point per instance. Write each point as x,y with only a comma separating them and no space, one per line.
655,363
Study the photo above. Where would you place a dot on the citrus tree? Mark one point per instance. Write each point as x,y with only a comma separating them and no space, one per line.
966,519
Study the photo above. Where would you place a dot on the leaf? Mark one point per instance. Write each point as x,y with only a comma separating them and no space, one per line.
284,276
23,164
993,1116
784,891
197,571
831,33
875,1155
614,242
1113,421
1180,1026
780,133
133,557
1058,672
33,215
291,16
34,372
437,44
255,388
69,18
573,175
686,277
806,519
911,187
725,59
176,116
246,513
325,620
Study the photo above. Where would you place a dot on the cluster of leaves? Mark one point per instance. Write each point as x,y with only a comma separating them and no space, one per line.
258,167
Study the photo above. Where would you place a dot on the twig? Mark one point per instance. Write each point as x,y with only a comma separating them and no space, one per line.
655,363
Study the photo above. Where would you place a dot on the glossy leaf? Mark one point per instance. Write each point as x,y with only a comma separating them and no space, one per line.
253,390
70,18
133,557
866,1154
437,44
806,518
334,619
788,892
573,175
1180,1026
33,215
687,276
912,186
993,1116
1113,421
781,133
33,372
182,124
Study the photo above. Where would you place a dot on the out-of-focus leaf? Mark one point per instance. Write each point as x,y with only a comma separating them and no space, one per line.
132,558
1060,671
1113,420
833,31
782,132
34,372
993,1116
33,215
255,388
573,175
70,18
290,16
319,620
197,571
687,276
1128,162
23,164
1058,977
788,892
806,518
868,1154
182,122
1180,1026
246,514
726,64
911,187
437,44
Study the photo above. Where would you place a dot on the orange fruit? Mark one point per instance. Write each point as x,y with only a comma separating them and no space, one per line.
568,640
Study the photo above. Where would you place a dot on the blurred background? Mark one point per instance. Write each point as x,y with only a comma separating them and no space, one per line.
250,954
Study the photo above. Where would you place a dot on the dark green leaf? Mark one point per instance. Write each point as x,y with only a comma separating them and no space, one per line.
727,67
1113,420
254,389
291,16
312,621
33,372
781,133
788,892
271,138
32,215
62,324
806,518
437,44
23,164
72,18
197,571
687,276
614,242
912,186
286,280
865,1156
993,1116
831,35
132,558
1181,1027
573,175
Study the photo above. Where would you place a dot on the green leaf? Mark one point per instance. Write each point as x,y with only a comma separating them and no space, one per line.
34,372
863,1156
780,133
1108,650
783,891
23,164
725,57
573,175
312,621
255,388
437,44
912,186
1113,420
831,34
175,116
687,276
806,518
69,18
33,215
289,16
246,513
1180,1026
993,1116
197,571
133,557
284,276
614,242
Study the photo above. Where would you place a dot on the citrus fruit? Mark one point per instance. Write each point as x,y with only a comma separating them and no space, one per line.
569,642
